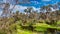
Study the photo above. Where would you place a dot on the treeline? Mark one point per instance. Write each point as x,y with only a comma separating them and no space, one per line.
30,17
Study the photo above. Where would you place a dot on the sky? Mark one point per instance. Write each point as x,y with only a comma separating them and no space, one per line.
36,4
39,3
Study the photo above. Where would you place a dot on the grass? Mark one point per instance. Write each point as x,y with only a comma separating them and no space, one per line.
23,32
58,22
39,27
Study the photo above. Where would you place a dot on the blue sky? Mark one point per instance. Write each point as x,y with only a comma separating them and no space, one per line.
39,3
36,4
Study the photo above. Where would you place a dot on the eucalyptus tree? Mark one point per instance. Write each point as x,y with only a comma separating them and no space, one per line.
6,5
58,5
55,6
47,9
6,11
49,17
28,10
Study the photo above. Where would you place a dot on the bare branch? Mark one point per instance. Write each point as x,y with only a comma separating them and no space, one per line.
6,6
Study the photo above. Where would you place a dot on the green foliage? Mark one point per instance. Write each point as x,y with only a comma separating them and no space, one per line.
23,32
42,26
20,23
41,29
58,22
1,32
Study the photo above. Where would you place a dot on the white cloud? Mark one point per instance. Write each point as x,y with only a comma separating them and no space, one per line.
35,2
0,12
54,9
4,1
36,9
21,8
46,0
18,7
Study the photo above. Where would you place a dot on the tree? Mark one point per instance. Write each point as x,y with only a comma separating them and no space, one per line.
28,10
6,11
6,6
47,9
55,6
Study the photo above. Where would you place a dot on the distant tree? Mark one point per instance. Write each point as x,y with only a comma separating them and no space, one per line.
28,10
47,9
7,4
55,6
6,11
